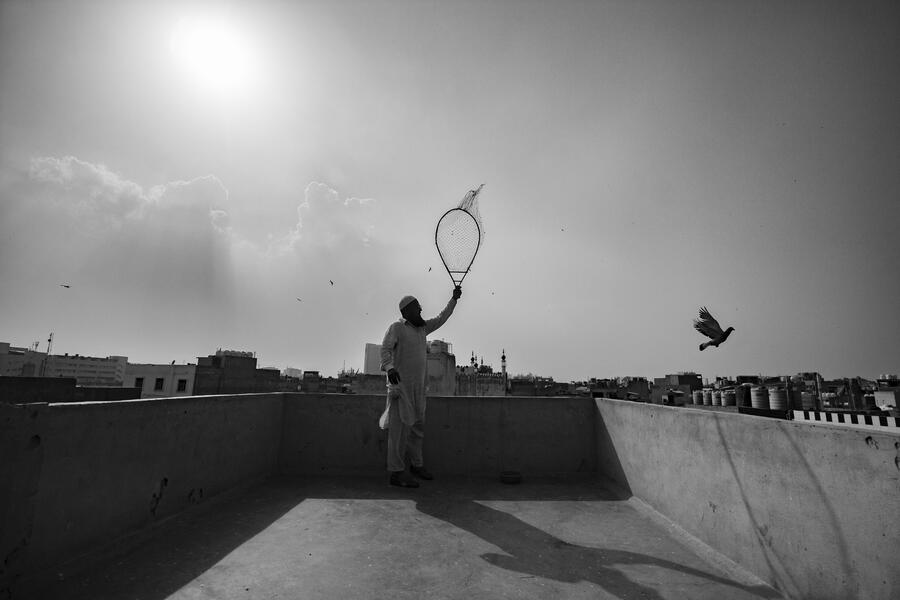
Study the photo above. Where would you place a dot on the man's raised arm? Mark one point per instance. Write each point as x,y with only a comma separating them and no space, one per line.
435,323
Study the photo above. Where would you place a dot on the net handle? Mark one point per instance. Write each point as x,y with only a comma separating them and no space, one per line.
477,247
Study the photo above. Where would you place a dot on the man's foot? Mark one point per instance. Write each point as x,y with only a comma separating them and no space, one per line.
421,472
403,479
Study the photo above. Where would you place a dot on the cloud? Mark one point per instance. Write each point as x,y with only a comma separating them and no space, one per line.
166,265
186,220
88,222
324,221
91,193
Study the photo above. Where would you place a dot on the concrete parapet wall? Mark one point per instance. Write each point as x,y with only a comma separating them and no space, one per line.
809,508
110,468
328,433
21,458
332,433
485,435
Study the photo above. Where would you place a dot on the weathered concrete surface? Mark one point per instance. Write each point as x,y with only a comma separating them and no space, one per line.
21,458
536,435
113,467
334,433
452,538
811,509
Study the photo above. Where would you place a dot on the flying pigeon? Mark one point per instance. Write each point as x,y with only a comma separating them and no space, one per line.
708,326
299,300
331,282
64,285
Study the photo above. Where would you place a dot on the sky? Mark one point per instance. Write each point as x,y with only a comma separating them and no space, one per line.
267,177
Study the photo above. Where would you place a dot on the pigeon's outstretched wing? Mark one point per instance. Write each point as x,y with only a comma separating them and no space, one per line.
707,325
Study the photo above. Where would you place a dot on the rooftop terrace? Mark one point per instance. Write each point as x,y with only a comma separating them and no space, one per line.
285,496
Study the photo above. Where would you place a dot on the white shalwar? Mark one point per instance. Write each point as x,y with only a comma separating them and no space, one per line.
403,348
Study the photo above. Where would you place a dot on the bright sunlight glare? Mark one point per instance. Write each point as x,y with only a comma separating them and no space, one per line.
213,55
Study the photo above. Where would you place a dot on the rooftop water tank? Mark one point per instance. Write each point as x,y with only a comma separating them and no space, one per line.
729,398
759,397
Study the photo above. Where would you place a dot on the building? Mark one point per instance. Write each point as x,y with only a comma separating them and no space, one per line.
161,381
623,388
311,382
440,363
20,362
86,370
533,385
604,388
678,386
440,369
372,360
233,372
635,388
887,393
479,379
480,384
888,380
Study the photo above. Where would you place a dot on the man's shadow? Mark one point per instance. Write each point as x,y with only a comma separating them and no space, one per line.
532,551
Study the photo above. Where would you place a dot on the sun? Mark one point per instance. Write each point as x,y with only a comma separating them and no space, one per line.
213,55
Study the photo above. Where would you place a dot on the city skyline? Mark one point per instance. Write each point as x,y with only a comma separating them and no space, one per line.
640,161
479,359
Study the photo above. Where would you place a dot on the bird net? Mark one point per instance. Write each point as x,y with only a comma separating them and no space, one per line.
458,236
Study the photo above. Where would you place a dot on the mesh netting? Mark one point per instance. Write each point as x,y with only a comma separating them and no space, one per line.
459,234
457,239
469,204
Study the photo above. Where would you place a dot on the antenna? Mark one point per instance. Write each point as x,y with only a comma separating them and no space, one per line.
47,358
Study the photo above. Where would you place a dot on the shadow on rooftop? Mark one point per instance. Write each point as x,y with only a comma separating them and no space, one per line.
534,552
155,563
158,563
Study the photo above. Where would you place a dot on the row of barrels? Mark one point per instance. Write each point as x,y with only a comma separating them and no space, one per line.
774,398
709,397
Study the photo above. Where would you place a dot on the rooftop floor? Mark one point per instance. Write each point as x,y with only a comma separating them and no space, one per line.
457,537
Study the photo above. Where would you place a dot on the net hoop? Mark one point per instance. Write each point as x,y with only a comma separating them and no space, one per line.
458,269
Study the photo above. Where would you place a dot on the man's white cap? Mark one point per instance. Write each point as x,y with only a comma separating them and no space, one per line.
406,301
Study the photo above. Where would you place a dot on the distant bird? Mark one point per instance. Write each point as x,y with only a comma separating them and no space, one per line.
65,285
299,300
429,269
331,282
708,326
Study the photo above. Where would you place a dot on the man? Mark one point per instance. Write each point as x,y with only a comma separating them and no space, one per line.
403,358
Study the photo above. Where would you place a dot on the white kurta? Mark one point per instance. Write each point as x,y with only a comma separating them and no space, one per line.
403,348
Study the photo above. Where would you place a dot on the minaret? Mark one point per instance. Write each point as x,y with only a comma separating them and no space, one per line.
503,370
